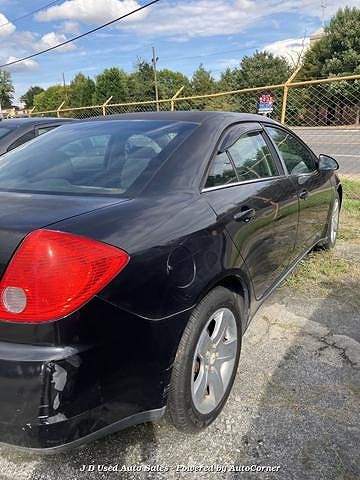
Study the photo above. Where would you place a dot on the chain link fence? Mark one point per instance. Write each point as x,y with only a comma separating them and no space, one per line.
324,112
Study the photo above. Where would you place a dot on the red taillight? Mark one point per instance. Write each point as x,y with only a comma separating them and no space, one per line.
53,273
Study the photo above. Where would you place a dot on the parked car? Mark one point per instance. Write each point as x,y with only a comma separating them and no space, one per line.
135,249
16,131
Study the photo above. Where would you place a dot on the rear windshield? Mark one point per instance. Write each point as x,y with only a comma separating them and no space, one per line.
4,131
116,157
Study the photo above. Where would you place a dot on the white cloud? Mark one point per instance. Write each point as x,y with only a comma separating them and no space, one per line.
71,27
200,18
194,18
23,66
6,27
91,11
290,48
51,39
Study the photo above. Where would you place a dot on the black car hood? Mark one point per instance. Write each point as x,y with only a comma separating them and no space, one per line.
21,213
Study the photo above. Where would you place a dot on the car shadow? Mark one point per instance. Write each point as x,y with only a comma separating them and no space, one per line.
133,446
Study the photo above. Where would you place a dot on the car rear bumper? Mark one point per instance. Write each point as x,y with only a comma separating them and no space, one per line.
116,375
50,435
53,398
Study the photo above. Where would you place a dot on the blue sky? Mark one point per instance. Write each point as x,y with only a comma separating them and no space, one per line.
185,33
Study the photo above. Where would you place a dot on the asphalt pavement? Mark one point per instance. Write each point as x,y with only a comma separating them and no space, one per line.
340,143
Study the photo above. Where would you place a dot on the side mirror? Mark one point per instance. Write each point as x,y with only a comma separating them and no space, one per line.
327,163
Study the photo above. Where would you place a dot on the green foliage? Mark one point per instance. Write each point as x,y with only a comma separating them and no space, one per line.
141,82
262,68
50,99
202,81
111,82
28,97
338,51
6,89
81,89
170,82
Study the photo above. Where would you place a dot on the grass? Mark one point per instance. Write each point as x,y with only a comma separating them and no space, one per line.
335,273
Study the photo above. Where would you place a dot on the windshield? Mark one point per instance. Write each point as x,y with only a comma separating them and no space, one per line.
116,157
4,131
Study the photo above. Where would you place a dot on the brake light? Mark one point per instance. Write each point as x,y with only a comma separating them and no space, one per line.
53,273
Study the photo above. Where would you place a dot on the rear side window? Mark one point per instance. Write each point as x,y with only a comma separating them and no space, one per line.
252,158
297,158
221,172
42,130
23,139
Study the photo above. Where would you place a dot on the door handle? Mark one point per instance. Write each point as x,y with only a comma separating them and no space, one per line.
245,215
304,195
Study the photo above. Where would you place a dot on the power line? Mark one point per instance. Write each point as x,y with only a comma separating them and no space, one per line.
28,14
82,35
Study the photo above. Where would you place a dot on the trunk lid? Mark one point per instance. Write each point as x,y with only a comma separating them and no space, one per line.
21,213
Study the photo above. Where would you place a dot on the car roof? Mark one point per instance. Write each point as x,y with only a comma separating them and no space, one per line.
187,116
19,122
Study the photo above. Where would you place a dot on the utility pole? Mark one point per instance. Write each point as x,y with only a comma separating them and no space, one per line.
154,61
65,89
323,8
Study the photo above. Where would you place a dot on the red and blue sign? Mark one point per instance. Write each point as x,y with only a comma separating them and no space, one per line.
265,102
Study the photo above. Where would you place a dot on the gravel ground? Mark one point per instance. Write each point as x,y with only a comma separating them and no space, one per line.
295,406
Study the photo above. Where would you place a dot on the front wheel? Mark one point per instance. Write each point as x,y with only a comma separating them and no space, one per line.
206,361
333,226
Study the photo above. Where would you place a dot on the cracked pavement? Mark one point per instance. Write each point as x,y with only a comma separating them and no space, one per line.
295,403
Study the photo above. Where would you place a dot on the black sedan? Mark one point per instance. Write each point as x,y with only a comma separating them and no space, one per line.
16,131
135,249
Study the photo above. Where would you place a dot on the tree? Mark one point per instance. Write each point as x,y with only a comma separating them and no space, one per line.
112,82
50,99
228,80
6,89
142,82
28,97
336,53
202,81
170,82
262,68
81,91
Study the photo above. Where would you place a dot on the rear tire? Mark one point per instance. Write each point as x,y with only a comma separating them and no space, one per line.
206,361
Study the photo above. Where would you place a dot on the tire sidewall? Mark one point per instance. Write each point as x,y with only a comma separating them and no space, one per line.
331,243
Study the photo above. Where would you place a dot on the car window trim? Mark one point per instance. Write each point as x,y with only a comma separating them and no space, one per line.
258,128
290,132
242,182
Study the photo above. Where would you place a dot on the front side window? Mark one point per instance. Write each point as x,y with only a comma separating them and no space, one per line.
297,158
221,172
252,158
116,157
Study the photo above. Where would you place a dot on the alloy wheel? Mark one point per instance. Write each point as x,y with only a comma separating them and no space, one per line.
214,360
